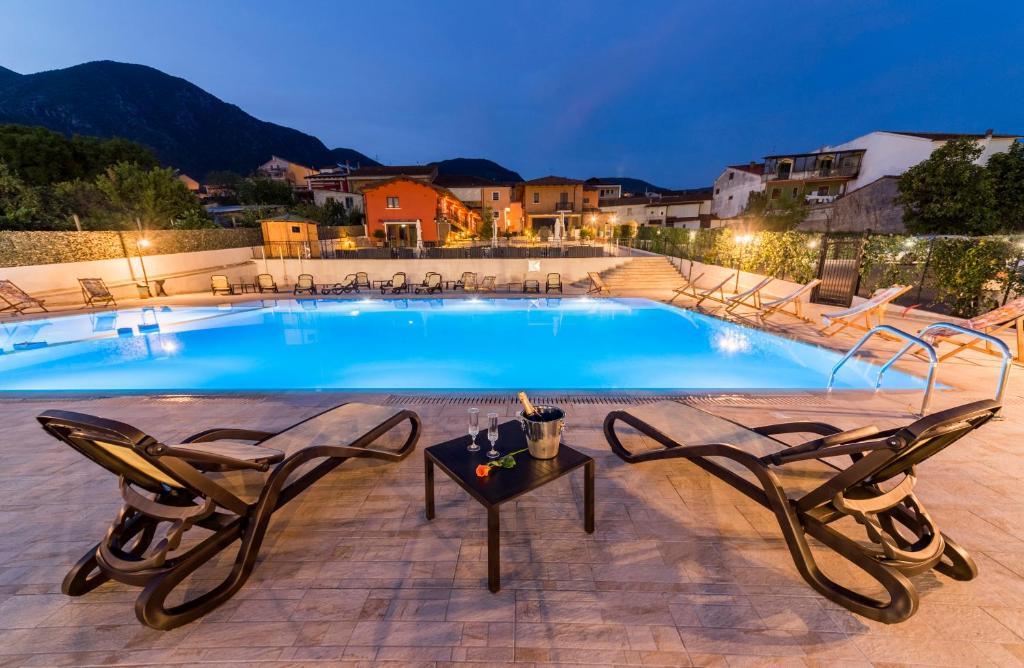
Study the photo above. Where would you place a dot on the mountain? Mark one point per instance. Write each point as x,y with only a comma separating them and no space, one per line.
634,186
479,167
185,126
353,157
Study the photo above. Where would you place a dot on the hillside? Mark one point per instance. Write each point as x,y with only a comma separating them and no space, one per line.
480,167
185,126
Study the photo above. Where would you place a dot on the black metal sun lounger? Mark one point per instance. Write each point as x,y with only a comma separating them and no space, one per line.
876,489
211,482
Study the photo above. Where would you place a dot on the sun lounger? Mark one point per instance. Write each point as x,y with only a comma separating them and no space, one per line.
467,277
347,285
213,482
304,284
266,283
553,283
751,297
994,322
597,286
837,321
398,283
684,289
794,300
219,284
694,291
487,285
95,292
362,280
531,285
874,487
431,283
13,298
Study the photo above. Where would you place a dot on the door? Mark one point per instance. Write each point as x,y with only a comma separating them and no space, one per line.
839,270
403,234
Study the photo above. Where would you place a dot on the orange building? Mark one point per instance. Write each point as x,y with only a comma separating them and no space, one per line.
552,198
411,213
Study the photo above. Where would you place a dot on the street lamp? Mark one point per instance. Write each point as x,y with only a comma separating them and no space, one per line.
139,245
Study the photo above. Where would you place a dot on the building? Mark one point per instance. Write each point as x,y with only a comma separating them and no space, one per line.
553,205
733,187
605,191
690,211
406,211
360,178
290,236
351,201
480,193
818,177
279,169
189,182
334,177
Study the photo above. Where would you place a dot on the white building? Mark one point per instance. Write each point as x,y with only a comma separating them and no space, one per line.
684,211
733,187
351,201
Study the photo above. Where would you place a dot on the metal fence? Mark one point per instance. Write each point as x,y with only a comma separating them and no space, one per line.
345,249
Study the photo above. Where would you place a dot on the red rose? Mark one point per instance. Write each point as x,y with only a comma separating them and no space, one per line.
483,471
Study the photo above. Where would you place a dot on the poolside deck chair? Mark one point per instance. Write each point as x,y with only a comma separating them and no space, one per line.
837,321
304,284
684,289
809,495
431,283
213,482
362,280
398,283
487,285
597,285
16,299
266,283
694,291
531,285
348,284
553,283
467,276
219,284
751,297
994,322
794,300
95,292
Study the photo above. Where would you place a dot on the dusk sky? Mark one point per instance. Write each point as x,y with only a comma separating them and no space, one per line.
665,91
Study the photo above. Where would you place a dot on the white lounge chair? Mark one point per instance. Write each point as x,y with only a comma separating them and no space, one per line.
686,288
793,299
753,294
837,321
995,321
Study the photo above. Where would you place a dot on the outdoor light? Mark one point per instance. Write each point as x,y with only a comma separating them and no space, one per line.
693,234
813,243
909,243
143,243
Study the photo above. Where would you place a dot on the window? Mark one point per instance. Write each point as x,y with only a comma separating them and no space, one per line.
718,190
586,200
776,192
494,196
393,202
730,198
731,174
296,229
348,202
536,198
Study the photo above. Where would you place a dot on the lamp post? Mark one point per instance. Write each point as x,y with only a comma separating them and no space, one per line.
139,245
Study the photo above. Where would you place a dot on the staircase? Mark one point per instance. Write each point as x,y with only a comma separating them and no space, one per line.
642,274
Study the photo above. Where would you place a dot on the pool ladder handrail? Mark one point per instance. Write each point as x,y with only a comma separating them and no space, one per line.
933,359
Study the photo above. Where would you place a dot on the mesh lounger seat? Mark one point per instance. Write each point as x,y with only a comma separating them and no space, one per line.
994,322
468,278
431,283
13,298
751,297
837,321
793,300
211,482
694,291
398,283
809,495
219,284
266,283
553,283
95,292
347,285
304,284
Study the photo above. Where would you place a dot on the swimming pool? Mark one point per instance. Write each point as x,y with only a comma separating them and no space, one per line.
415,344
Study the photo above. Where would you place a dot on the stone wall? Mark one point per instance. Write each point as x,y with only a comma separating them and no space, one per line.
19,249
868,209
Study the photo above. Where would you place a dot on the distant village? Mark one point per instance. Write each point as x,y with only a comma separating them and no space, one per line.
848,187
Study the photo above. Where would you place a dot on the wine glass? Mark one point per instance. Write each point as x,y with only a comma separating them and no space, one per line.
492,435
474,429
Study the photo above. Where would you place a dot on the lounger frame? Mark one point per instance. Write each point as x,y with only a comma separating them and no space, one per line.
874,454
96,293
25,300
201,502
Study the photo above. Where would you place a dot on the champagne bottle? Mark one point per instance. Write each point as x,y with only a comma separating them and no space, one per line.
528,409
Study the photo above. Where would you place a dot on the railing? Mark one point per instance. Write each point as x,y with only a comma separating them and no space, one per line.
912,341
933,360
346,249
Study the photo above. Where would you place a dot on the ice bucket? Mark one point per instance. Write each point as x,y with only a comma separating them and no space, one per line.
543,431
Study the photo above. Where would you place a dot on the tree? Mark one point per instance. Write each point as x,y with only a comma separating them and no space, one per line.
264,191
776,215
486,229
1007,173
21,207
949,193
155,196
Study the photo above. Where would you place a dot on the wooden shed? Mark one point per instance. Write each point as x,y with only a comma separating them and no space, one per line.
290,236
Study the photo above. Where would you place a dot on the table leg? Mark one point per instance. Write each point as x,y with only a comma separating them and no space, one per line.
493,550
428,477
588,496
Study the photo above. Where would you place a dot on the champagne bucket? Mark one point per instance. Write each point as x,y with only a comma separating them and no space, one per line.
543,431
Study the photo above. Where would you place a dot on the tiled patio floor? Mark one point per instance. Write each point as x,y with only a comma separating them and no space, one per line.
680,571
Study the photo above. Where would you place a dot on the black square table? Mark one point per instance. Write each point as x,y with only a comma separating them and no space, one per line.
504,484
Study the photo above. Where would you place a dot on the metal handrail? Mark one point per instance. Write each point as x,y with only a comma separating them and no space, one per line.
912,341
1004,371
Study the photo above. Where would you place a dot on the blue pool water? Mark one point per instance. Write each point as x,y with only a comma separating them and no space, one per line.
459,344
